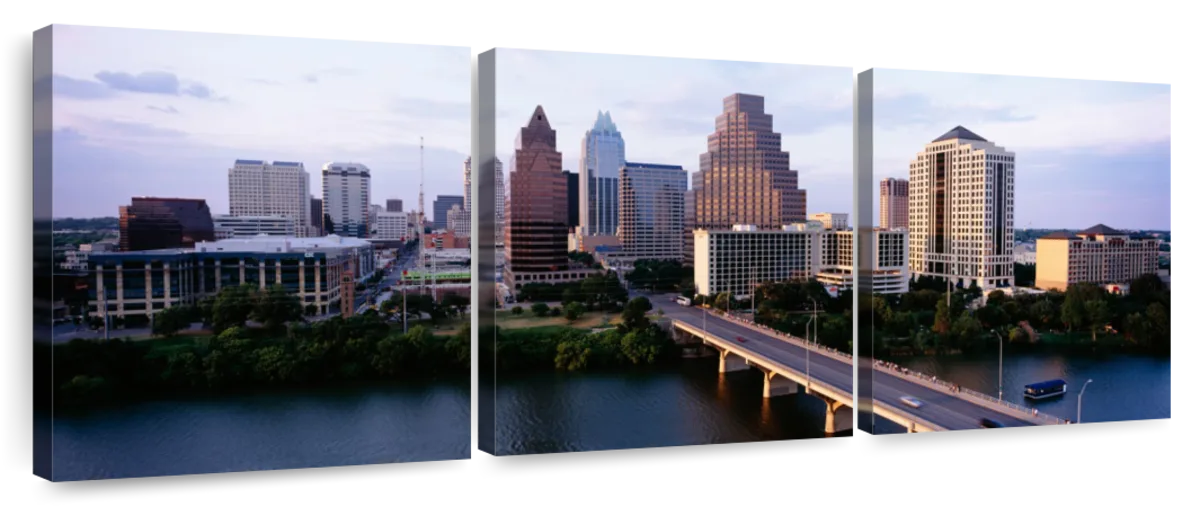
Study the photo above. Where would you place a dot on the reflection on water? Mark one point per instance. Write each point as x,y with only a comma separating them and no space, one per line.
416,422
543,412
685,405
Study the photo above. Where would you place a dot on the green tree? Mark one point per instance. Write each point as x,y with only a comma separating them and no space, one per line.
1043,312
574,310
170,321
540,309
517,310
722,301
556,311
232,307
1098,316
275,307
966,327
633,317
943,318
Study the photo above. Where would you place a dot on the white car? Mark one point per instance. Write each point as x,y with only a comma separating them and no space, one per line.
912,402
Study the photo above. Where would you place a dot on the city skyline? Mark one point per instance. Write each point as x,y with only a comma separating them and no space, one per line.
192,112
1087,151
666,108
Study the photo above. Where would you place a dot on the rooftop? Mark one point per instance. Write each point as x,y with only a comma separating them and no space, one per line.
960,132
641,165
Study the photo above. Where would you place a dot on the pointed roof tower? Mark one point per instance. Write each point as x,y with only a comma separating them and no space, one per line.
604,123
539,119
960,132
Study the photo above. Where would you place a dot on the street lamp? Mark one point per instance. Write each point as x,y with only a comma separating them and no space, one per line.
1001,338
1079,403
808,354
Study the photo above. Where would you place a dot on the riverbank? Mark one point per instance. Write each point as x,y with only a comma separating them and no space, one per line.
362,349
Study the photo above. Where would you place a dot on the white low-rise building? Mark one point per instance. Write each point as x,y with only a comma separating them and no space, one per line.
230,226
737,260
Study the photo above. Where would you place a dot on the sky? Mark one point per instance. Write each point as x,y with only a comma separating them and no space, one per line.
665,108
165,114
1087,152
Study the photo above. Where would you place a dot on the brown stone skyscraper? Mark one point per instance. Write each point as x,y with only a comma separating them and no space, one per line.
745,177
536,234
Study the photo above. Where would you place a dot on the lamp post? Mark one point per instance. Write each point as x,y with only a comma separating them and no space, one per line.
1079,403
808,354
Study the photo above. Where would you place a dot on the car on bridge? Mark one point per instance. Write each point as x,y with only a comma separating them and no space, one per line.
911,401
988,423
742,339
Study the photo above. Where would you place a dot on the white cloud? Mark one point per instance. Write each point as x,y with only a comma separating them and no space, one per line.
1016,112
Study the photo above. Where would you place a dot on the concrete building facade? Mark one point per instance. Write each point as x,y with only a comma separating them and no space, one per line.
346,198
736,260
229,226
832,221
1099,255
961,211
893,203
122,284
261,188
650,215
535,236
745,176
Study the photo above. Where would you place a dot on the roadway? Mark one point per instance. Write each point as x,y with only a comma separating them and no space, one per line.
940,408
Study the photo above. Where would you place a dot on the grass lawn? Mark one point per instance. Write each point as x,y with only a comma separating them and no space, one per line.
589,320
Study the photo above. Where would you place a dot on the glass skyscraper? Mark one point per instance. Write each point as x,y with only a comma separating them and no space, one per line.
601,158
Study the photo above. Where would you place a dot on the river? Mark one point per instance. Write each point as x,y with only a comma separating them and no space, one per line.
686,404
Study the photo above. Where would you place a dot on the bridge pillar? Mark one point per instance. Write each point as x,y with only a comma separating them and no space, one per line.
778,385
732,362
838,417
912,427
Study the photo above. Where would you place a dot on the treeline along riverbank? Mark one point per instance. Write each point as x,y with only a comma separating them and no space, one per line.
360,349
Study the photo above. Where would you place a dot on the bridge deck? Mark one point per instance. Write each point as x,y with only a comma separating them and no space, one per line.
943,409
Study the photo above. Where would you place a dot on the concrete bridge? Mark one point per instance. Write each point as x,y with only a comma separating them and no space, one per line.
789,363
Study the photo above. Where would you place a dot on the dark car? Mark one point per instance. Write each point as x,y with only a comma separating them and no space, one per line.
740,339
988,423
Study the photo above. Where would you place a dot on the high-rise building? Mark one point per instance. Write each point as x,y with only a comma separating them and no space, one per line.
458,222
745,177
961,211
466,206
392,225
260,188
441,206
600,158
347,198
650,216
499,182
535,239
501,198
1099,255
893,203
316,217
152,223
395,205
572,199
689,224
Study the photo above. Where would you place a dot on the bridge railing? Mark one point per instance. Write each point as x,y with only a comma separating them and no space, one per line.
928,380
767,330
954,389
